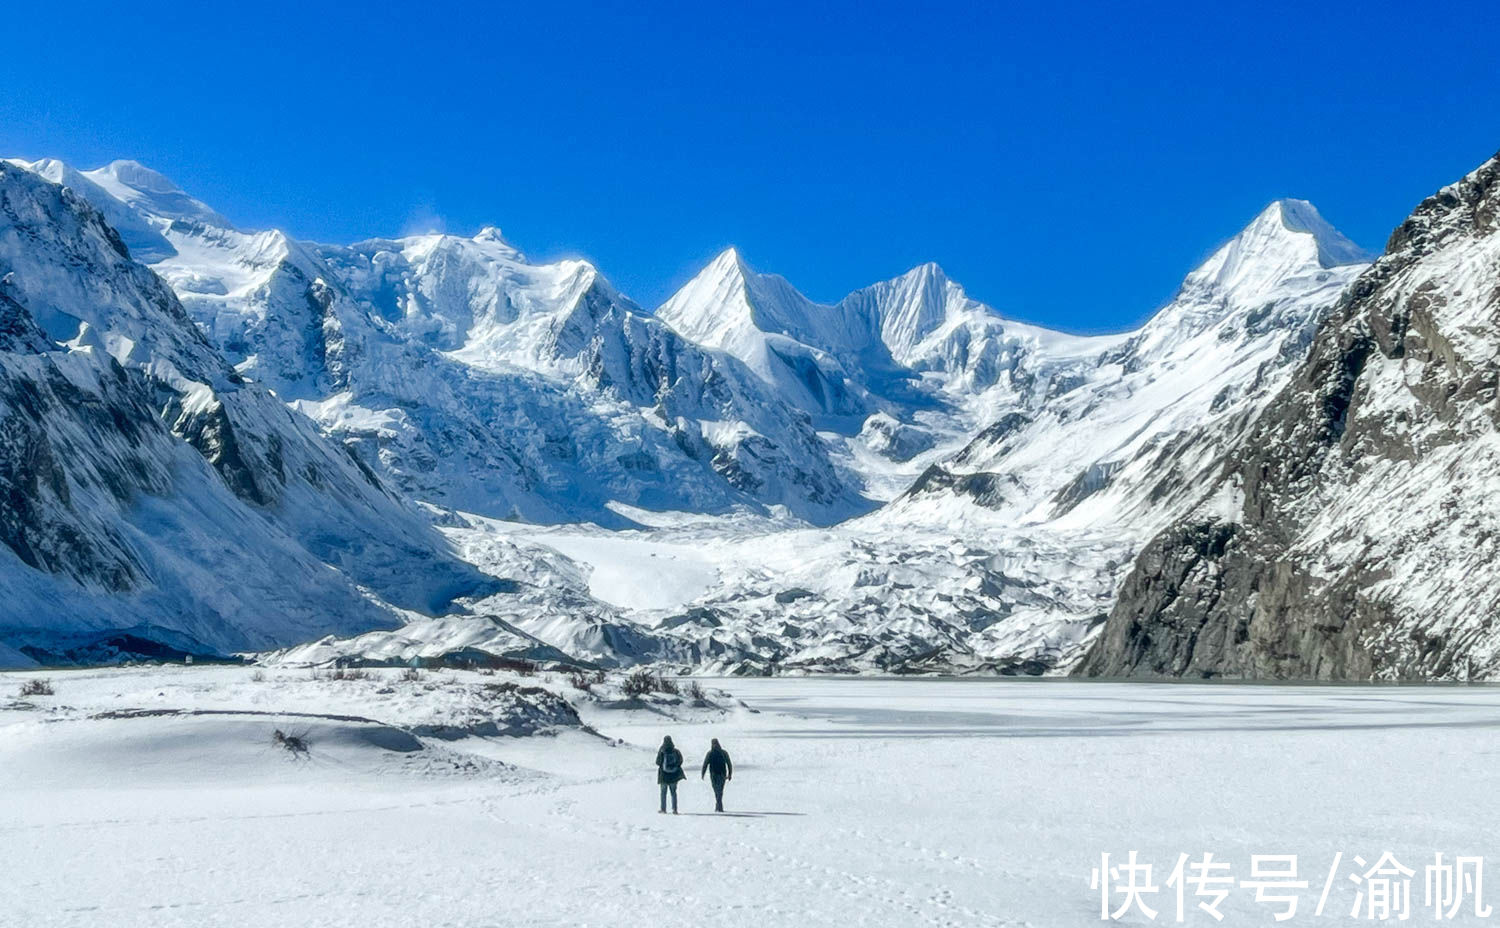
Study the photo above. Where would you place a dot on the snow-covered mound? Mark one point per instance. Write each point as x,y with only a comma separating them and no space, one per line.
271,716
151,489
1353,534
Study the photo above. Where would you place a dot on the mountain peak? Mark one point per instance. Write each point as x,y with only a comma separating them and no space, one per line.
715,307
138,176
925,274
491,235
152,194
1334,248
728,262
1288,239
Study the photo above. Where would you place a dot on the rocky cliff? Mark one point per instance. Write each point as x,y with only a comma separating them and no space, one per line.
1354,534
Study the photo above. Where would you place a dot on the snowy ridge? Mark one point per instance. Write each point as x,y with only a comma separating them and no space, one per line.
412,351
903,372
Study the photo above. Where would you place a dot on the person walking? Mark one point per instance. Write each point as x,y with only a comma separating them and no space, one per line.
669,772
720,770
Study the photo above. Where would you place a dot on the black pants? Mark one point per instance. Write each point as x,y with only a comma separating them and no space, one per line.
718,783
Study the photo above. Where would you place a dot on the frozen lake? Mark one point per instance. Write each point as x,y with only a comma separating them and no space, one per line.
855,801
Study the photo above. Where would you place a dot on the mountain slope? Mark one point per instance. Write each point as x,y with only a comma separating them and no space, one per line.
1352,536
150,484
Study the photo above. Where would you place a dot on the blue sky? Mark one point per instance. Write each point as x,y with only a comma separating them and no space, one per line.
1067,162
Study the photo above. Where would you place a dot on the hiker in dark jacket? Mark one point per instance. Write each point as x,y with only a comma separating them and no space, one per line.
720,769
669,772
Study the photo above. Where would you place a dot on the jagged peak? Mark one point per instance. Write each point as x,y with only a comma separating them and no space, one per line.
729,257
927,278
491,234
927,270
1474,196
727,268
492,237
720,279
728,304
1334,248
1289,238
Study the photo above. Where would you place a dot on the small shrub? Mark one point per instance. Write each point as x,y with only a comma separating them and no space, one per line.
294,744
581,681
525,669
410,675
37,687
348,673
694,690
641,682
258,677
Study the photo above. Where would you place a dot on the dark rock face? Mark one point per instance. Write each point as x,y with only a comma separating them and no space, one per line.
993,436
985,489
1086,484
1364,544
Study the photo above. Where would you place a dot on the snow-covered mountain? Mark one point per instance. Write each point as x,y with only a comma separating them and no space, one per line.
900,373
472,378
1008,553
1352,535
151,490
728,450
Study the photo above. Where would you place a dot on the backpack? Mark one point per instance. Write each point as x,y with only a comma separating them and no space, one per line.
671,763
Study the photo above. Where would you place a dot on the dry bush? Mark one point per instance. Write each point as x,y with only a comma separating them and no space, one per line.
348,673
294,744
641,682
258,677
410,675
694,690
37,687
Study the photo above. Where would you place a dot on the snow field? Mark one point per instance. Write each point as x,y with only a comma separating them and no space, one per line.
855,802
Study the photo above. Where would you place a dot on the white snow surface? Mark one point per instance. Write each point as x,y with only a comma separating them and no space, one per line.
869,801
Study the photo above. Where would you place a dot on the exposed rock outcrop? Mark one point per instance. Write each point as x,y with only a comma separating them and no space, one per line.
1356,533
